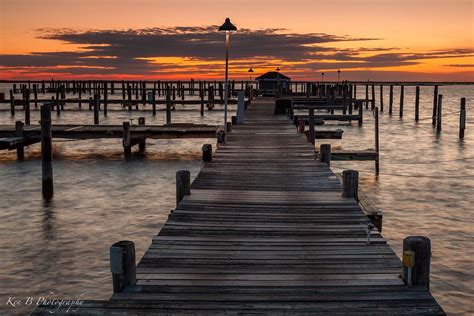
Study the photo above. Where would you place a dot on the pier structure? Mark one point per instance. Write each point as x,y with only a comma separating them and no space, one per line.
266,228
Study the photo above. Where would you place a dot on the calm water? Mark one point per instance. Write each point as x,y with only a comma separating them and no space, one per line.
425,187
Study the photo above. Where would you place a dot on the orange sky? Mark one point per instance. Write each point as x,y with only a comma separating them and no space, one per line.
409,27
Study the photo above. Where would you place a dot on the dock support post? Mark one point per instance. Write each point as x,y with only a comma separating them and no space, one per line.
106,98
366,96
402,92
46,152
141,144
417,104
153,101
207,152
435,105
361,114
168,105
126,140
381,98
462,118
390,100
350,184
311,134
122,265
183,184
377,141
325,153
416,261
201,96
439,113
27,107
96,109
12,103
372,101
20,150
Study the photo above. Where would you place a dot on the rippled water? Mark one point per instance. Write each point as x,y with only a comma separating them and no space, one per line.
425,187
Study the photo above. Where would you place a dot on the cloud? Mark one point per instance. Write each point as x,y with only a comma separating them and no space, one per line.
188,50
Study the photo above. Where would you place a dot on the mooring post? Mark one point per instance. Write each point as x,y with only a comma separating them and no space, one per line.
462,118
390,100
126,140
168,105
153,101
122,265
201,96
417,104
301,126
439,113
183,184
96,109
35,94
416,261
377,141
46,151
366,96
12,103
27,107
325,153
372,101
20,150
105,98
402,92
207,152
381,98
361,113
435,106
311,134
350,184
141,144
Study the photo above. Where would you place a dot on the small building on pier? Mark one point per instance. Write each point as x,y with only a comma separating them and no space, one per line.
270,81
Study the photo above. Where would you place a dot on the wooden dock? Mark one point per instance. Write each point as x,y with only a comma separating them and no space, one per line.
265,230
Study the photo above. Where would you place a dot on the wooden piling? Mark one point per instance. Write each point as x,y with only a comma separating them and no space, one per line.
127,140
361,114
27,107
350,184
96,109
417,258
207,152
435,105
462,118
311,134
325,153
153,102
183,184
12,103
381,98
122,265
390,100
46,152
439,113
168,105
141,143
372,101
417,103
377,141
402,92
20,150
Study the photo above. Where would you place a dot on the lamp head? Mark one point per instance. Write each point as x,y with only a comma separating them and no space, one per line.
227,26
250,70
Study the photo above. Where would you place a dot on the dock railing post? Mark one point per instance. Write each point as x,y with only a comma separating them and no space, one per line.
350,184
207,152
122,265
462,118
46,152
416,261
20,150
325,153
183,184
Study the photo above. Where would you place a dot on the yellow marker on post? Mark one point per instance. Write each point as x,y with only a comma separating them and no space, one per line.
409,262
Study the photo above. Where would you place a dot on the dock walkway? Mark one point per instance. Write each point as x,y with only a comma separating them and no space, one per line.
266,231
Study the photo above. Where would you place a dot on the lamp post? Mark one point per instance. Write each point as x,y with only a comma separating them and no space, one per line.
338,74
227,27
250,71
322,77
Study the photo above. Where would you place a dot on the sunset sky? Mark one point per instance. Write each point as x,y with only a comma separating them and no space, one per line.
431,40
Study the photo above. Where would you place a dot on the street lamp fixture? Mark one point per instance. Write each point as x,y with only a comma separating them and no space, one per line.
338,74
322,77
250,71
227,27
